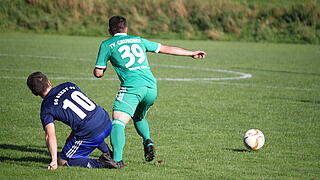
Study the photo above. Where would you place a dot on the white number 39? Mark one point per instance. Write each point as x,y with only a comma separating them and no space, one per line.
132,52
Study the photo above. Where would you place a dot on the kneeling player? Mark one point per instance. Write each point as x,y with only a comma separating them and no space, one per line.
89,122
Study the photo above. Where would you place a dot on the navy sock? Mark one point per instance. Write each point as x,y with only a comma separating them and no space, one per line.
84,162
103,147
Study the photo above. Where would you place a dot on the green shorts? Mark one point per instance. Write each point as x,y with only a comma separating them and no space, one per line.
135,101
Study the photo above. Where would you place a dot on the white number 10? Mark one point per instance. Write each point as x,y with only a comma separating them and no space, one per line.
132,53
80,99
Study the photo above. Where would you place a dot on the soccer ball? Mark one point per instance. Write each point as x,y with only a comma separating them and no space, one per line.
253,139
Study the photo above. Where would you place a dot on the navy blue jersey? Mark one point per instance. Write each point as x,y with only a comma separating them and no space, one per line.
67,103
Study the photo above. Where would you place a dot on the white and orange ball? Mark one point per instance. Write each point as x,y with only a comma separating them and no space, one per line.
253,139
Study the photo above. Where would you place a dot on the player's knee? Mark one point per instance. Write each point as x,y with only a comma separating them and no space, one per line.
124,117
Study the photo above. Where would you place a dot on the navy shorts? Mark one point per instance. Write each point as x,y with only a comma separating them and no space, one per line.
82,148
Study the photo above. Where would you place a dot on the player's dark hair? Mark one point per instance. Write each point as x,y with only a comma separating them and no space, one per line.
37,83
117,24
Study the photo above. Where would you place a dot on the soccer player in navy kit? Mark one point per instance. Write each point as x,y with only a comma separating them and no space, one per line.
89,122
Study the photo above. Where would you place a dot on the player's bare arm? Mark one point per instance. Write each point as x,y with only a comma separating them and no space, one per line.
51,142
182,52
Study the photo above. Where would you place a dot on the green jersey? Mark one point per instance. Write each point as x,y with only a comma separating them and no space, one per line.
128,57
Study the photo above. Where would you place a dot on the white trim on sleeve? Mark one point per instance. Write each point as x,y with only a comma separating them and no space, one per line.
158,49
101,67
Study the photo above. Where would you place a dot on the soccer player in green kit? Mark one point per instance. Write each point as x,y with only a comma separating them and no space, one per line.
138,88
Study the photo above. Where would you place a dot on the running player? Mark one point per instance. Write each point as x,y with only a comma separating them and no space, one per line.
89,122
138,90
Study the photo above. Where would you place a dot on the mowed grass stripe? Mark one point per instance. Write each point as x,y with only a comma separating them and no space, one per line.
197,126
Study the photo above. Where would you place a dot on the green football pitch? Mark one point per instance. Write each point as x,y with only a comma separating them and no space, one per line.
203,109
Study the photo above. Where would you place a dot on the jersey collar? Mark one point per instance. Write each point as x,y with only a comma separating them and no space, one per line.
50,93
120,34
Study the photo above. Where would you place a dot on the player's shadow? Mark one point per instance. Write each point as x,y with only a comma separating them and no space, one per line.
25,159
237,150
24,149
298,100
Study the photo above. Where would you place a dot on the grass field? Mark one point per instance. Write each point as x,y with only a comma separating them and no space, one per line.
197,124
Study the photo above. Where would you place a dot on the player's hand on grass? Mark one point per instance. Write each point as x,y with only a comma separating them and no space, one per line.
53,165
199,54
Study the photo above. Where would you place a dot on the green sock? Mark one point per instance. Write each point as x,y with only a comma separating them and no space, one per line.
142,128
117,138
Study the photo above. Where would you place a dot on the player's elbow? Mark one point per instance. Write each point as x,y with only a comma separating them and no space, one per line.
47,138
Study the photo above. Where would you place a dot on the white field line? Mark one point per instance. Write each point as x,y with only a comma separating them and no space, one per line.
44,57
206,80
240,74
60,78
51,72
209,82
